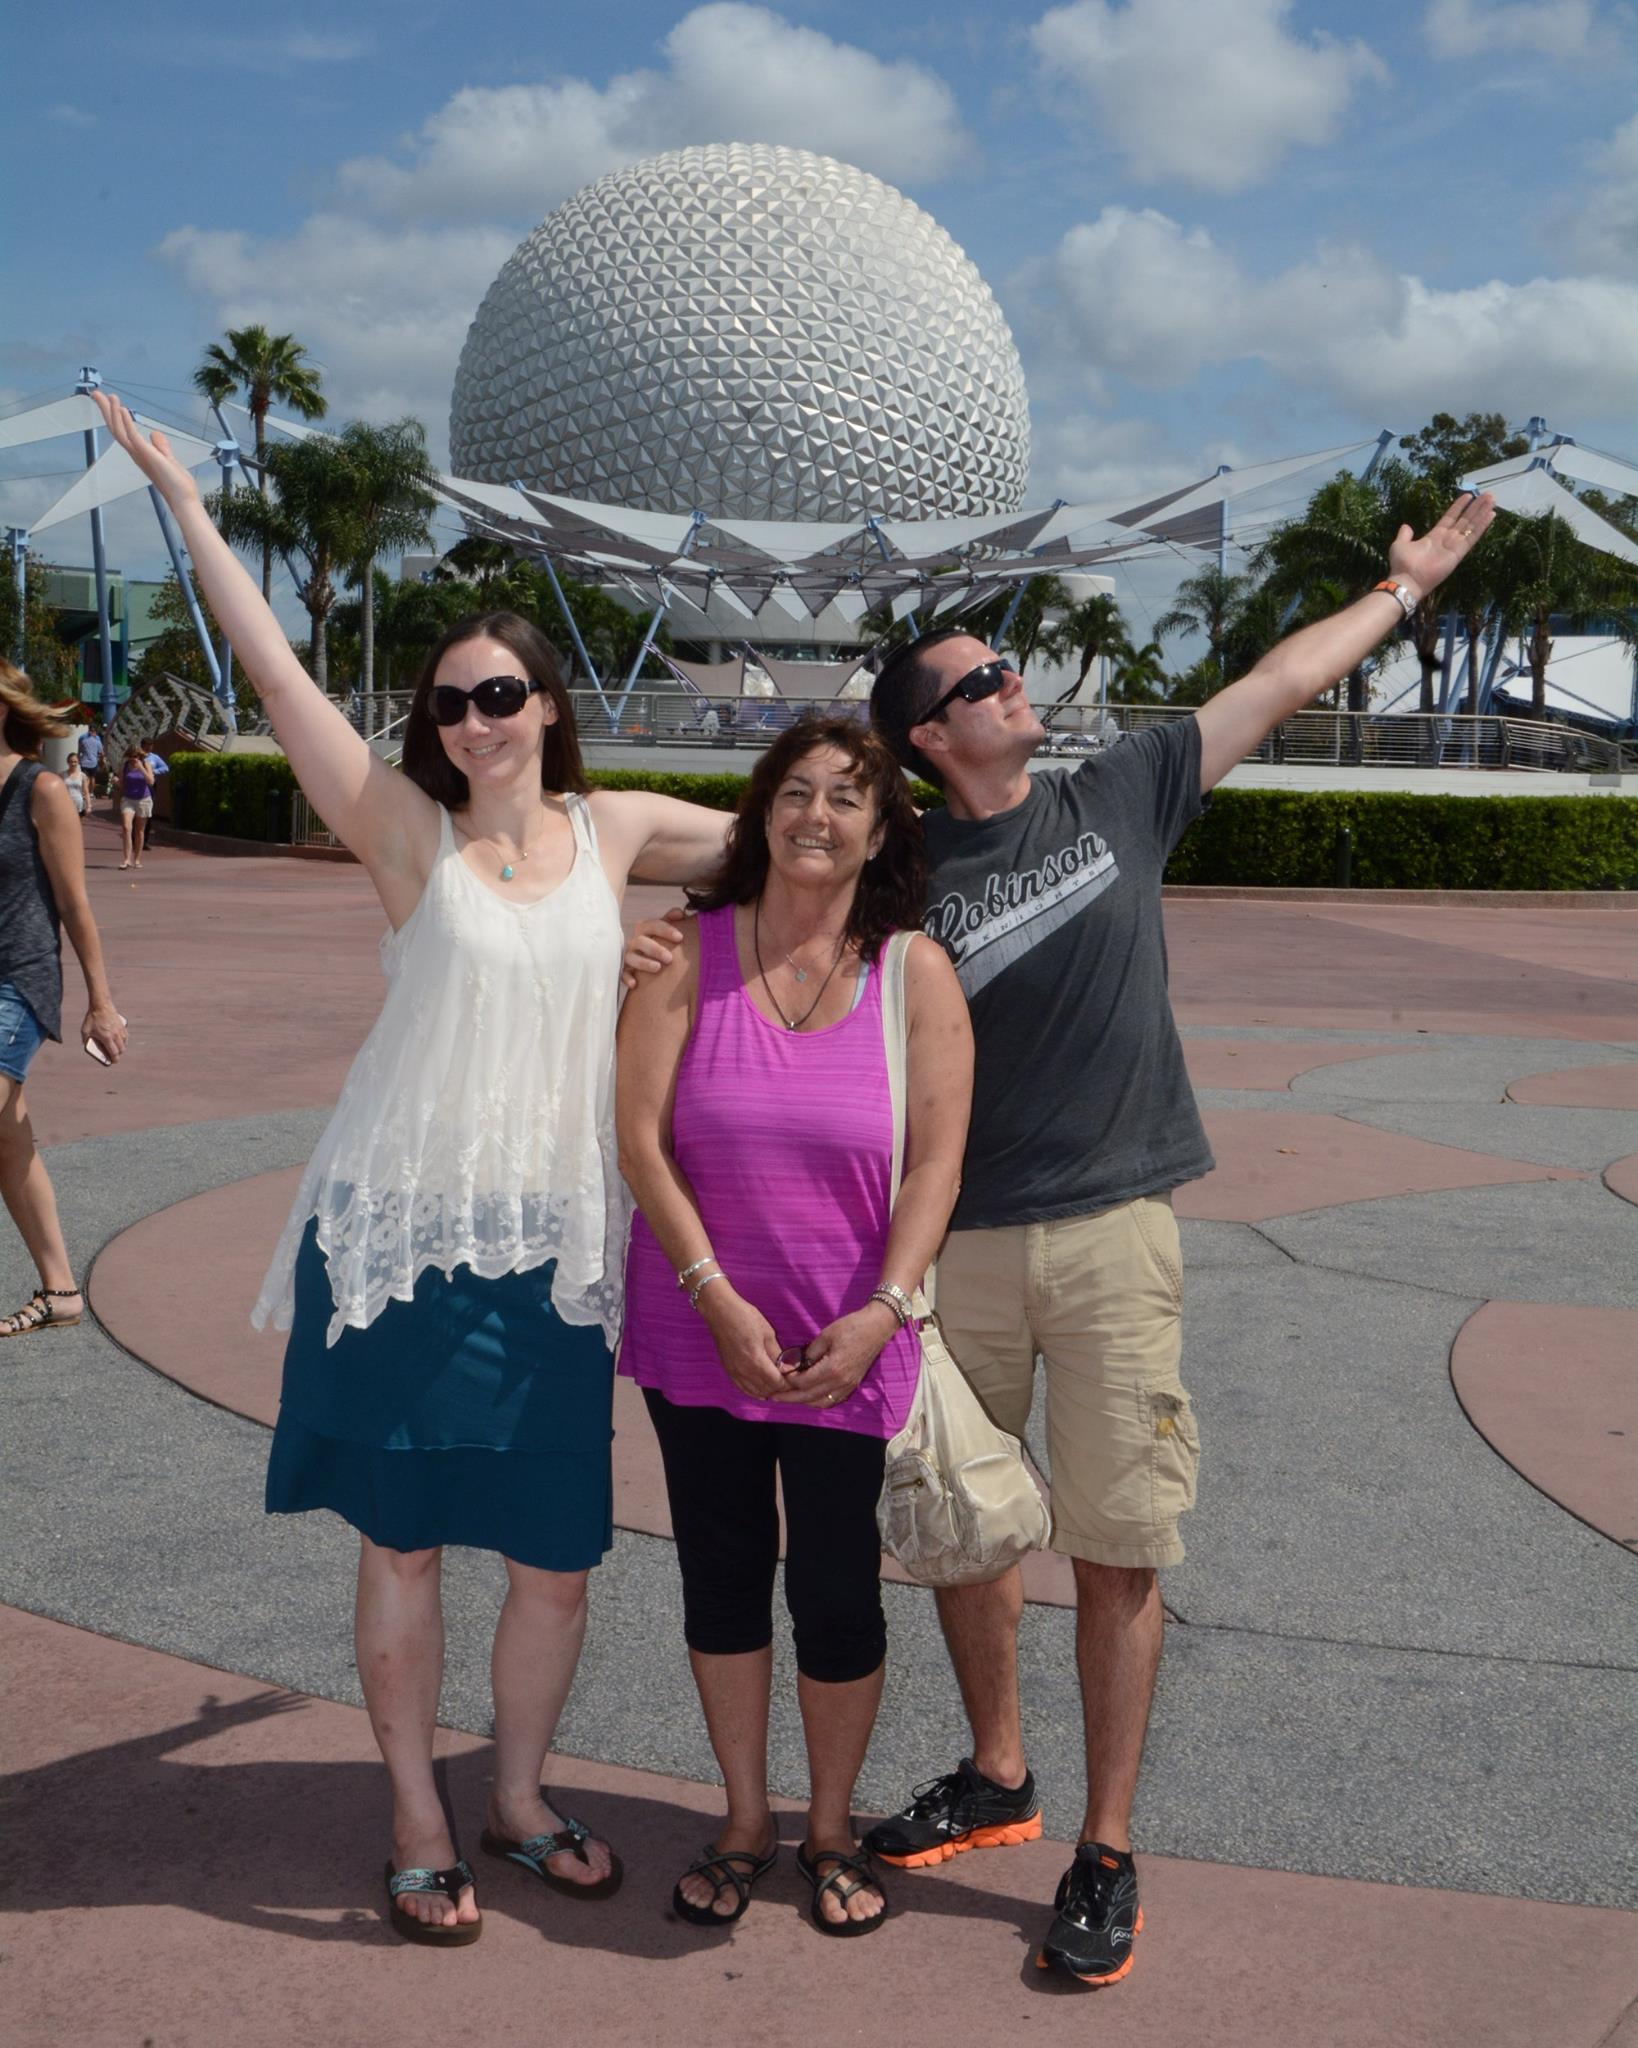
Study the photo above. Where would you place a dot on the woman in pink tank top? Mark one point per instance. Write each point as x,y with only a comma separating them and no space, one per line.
770,1270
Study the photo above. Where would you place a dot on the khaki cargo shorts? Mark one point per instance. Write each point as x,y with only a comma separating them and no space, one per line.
1101,1299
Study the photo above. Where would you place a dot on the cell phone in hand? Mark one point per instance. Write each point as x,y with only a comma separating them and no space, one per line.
96,1052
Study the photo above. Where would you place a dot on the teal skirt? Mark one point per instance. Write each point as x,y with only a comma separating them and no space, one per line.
472,1414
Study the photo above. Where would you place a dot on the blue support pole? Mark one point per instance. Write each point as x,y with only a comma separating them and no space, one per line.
90,381
179,562
1487,680
654,623
586,661
1384,441
876,535
1011,611
17,542
229,456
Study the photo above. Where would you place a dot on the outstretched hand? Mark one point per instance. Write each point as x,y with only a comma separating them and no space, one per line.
1425,562
150,452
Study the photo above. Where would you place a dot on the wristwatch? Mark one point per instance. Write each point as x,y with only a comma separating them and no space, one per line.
1402,594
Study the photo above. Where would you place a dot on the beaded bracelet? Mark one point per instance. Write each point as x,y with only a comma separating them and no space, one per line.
700,1286
897,1300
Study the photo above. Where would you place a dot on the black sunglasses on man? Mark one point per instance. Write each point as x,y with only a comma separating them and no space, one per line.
977,684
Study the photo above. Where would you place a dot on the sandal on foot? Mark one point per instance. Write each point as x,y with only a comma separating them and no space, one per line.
532,1855
37,1313
847,1875
719,1869
451,1882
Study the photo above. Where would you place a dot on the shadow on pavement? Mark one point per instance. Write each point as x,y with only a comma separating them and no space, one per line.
296,1847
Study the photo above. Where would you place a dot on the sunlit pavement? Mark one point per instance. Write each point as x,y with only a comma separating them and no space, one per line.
1391,1781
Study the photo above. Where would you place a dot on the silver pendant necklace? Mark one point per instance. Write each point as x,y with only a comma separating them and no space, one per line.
790,1023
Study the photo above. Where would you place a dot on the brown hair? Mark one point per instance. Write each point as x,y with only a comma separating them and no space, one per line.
27,720
892,891
425,761
907,686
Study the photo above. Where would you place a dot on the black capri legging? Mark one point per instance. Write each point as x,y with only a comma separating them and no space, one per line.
719,1473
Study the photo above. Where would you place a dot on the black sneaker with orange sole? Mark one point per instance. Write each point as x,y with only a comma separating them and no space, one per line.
962,1810
1099,1917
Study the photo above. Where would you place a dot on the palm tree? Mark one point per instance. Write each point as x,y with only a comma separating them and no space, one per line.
1140,675
1088,630
1206,602
266,368
309,520
392,505
1545,570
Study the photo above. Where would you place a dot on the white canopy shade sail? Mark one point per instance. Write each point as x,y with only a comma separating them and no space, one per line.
114,475
1536,491
45,422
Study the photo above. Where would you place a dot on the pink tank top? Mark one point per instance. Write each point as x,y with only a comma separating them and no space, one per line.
786,1138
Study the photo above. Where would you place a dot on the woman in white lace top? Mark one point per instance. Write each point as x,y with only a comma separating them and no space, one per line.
451,1270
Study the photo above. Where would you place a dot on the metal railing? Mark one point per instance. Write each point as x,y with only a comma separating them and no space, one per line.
675,718
1353,739
307,828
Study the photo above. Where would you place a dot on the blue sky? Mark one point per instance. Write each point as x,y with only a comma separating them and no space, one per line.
1221,229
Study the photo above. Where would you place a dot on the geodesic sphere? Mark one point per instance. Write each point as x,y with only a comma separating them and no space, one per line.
745,330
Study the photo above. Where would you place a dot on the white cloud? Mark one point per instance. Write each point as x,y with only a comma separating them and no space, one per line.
67,115
284,51
1139,295
1191,90
1604,230
1088,460
732,73
383,310
384,282
1473,28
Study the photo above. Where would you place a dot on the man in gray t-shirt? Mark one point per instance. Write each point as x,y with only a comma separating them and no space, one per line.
1046,893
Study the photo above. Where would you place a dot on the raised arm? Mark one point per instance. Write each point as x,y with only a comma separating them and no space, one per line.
651,838
654,1026
1297,670
938,1102
62,849
382,816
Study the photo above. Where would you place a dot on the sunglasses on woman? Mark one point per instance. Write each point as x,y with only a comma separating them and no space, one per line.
977,684
495,697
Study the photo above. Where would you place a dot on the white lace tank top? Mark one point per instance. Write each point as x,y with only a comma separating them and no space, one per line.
476,1126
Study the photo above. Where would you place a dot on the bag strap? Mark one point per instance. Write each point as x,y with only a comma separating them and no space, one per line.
895,1036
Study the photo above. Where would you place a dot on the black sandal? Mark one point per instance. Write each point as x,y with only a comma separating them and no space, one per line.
532,1854
836,1880
717,1866
451,1883
37,1312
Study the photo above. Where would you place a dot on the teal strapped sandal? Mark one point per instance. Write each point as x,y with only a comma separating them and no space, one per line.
451,1883
532,1856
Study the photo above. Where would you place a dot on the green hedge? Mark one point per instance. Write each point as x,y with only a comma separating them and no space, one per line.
241,796
715,792
1268,838
1277,838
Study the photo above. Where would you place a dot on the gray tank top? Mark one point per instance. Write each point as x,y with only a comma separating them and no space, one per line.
30,948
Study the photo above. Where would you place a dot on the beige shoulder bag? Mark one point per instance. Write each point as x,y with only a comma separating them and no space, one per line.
958,1503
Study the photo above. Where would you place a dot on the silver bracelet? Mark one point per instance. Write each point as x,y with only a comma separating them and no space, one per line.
897,1300
687,1272
700,1286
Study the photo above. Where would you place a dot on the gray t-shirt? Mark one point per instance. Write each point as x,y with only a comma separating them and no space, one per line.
1051,913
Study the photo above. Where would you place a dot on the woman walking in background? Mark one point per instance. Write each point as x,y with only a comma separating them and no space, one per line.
451,1269
136,802
42,888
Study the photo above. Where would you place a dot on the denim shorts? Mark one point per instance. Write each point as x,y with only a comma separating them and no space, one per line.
20,1034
